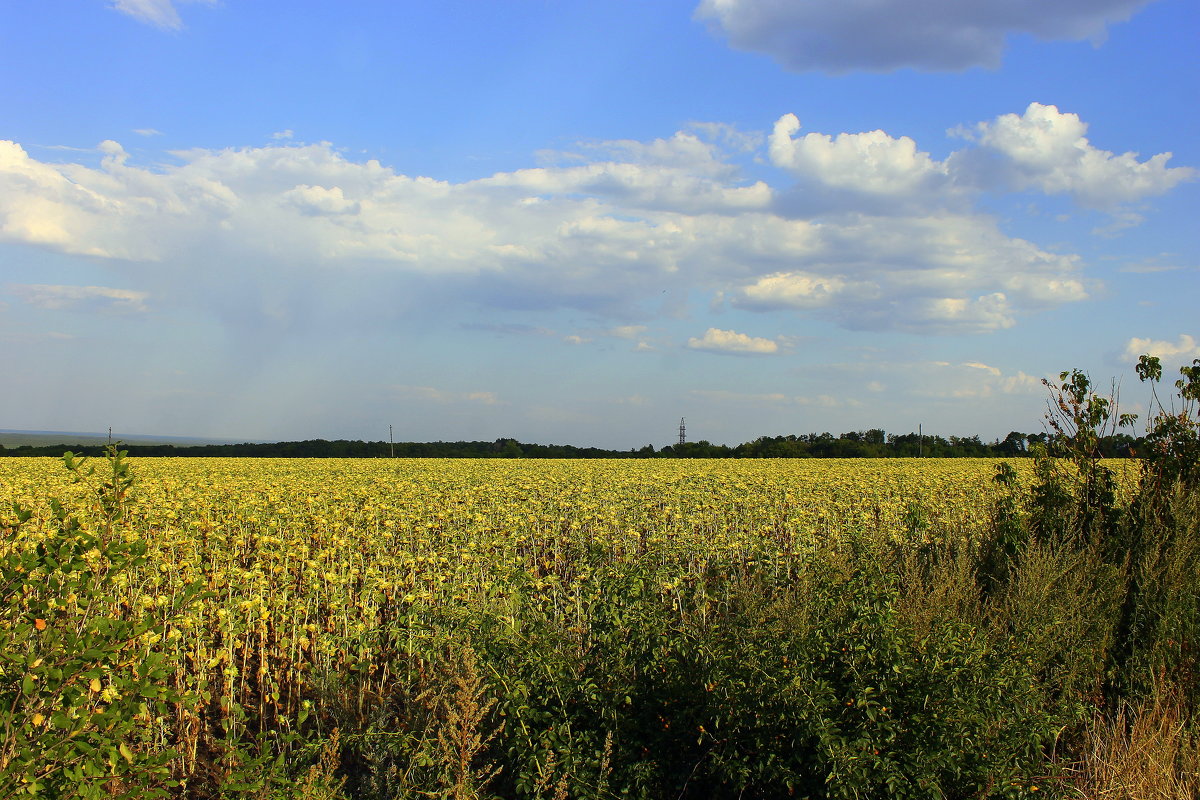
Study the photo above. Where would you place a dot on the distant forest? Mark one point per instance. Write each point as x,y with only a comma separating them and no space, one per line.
873,443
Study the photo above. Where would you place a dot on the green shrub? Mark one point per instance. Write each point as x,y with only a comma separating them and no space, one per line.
81,690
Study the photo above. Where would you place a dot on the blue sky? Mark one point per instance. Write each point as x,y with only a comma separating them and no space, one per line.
576,222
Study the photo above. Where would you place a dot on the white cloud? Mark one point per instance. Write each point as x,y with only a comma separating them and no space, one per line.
318,200
627,331
159,13
614,229
716,340
1185,349
882,35
729,135
961,380
980,365
872,163
938,274
55,297
964,314
683,173
1046,150
147,132
1043,149
802,290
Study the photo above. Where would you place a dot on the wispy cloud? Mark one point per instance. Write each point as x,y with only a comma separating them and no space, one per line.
54,298
941,379
776,399
1164,263
444,397
159,13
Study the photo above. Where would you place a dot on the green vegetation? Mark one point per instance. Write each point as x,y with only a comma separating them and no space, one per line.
76,683
873,443
1051,651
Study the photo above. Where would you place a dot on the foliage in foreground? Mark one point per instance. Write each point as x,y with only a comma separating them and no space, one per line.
682,646
77,684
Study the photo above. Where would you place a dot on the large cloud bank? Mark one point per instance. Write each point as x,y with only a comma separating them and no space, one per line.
864,228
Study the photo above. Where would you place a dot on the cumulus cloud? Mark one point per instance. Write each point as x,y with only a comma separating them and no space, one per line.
1185,349
937,274
870,163
559,240
802,290
55,297
683,173
610,229
985,313
319,200
1046,150
1042,149
883,35
716,340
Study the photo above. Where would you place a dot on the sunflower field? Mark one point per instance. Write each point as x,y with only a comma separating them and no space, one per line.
597,629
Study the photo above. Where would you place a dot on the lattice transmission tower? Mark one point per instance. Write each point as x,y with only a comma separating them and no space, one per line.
682,432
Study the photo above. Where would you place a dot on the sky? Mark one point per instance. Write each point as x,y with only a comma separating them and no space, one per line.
577,221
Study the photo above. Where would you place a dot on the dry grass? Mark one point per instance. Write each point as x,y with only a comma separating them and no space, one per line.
1147,753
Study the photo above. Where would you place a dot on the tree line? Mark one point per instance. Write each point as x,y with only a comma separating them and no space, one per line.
873,443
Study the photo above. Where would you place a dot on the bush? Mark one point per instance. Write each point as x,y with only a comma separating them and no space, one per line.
80,690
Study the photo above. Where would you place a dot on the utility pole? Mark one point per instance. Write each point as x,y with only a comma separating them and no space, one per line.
391,444
920,441
682,432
